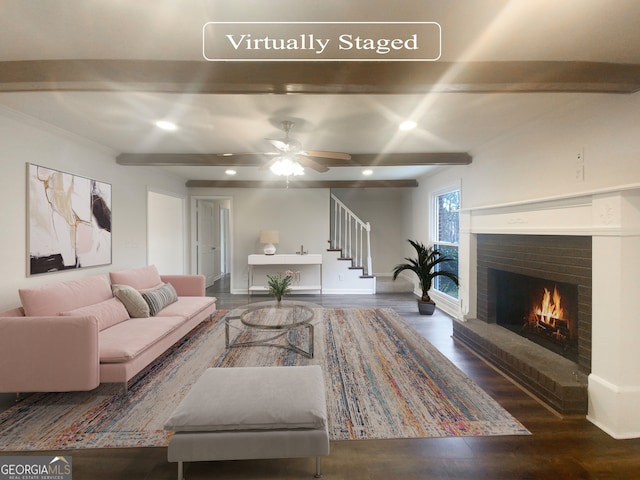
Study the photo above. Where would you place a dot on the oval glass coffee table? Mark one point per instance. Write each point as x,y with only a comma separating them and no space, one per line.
285,324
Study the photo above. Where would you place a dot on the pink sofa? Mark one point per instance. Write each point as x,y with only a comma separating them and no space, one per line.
72,336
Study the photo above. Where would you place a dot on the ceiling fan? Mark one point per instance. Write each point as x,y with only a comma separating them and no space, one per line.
290,159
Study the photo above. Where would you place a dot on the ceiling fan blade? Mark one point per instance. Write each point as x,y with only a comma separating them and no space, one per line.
286,146
279,144
307,162
322,154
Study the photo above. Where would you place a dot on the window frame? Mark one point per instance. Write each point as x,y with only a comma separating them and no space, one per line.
435,230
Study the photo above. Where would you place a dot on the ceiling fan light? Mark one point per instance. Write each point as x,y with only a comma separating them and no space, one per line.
297,169
286,167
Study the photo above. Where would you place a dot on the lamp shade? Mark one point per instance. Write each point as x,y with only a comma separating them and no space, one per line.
269,236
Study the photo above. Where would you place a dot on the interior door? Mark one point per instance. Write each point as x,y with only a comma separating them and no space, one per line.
208,241
225,241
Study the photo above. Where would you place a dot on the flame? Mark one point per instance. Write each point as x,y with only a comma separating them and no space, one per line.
548,317
550,308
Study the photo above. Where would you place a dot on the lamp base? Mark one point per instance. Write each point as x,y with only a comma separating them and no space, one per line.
269,249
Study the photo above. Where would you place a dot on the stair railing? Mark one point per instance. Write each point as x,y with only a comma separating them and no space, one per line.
351,235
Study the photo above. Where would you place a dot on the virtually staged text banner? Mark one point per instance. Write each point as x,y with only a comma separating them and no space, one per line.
324,41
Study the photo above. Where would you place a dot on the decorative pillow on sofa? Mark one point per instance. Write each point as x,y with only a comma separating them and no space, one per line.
132,300
159,298
109,313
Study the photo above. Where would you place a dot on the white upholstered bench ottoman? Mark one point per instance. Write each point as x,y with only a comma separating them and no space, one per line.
251,413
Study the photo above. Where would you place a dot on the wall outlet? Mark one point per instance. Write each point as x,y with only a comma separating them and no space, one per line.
341,277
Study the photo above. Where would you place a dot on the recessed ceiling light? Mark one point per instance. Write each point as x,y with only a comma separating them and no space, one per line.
407,125
230,172
165,125
367,172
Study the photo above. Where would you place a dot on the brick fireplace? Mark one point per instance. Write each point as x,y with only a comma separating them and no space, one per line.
586,244
513,274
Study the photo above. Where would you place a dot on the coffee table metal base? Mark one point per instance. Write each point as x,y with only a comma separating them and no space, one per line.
294,333
269,338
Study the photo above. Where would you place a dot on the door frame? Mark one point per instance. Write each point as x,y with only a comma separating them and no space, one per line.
193,247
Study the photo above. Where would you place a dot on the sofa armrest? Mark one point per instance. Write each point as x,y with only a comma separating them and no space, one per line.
187,285
49,354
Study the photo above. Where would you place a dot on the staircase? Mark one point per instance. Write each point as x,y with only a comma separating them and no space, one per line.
350,247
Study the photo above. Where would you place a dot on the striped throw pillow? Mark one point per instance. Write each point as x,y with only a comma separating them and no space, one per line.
159,298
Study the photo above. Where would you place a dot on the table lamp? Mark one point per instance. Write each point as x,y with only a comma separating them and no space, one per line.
269,237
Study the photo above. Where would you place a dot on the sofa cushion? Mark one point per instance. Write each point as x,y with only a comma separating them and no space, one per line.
109,313
64,296
159,298
132,300
14,312
127,340
187,307
143,278
253,398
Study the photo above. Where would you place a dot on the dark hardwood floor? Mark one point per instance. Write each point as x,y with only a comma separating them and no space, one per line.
559,448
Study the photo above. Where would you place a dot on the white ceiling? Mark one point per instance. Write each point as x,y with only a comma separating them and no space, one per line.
473,30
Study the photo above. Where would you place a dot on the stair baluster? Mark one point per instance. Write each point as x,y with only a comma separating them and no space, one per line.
348,235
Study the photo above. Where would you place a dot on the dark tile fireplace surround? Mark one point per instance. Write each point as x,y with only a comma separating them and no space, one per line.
554,372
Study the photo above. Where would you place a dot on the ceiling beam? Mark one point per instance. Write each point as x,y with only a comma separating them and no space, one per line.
404,159
411,183
256,160
175,76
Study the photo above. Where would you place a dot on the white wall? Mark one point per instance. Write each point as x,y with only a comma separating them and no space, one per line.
539,160
300,215
166,233
24,140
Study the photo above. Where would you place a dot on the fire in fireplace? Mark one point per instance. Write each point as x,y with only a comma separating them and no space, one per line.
548,318
544,311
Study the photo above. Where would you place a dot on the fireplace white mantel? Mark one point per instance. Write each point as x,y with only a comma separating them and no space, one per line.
612,218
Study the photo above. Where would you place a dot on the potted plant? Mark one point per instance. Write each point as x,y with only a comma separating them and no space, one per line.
279,285
424,266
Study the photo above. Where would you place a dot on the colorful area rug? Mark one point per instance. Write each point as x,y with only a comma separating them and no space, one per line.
383,381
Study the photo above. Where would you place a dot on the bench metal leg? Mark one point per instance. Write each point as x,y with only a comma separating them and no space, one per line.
180,470
318,467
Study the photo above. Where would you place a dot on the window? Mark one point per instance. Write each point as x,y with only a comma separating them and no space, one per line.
447,237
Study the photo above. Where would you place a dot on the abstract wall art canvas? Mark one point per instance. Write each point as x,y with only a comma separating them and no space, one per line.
69,221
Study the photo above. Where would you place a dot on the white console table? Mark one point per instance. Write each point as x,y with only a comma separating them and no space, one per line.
285,262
